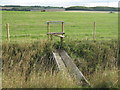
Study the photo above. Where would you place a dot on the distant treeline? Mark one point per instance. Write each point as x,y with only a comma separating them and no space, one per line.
98,8
26,8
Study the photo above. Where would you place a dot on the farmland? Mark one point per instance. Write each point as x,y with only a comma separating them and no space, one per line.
32,25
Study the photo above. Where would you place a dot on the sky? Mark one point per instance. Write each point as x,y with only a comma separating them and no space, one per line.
61,3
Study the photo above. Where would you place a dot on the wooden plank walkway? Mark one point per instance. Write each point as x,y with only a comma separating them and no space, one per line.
58,59
64,62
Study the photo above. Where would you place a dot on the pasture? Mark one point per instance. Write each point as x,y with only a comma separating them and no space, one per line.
32,25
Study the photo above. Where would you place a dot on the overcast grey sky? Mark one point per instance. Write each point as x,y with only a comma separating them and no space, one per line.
63,3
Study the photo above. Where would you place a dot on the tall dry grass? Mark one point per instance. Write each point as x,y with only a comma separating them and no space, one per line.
31,65
39,80
105,78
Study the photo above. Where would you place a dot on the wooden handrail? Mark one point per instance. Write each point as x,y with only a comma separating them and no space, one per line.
56,33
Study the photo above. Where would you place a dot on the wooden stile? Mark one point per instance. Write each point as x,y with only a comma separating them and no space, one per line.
58,34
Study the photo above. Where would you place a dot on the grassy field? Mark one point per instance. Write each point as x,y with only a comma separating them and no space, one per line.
32,25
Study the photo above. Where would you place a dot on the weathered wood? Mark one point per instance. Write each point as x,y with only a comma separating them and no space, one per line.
94,31
59,36
56,33
54,21
61,41
60,63
62,26
48,30
72,68
51,37
8,33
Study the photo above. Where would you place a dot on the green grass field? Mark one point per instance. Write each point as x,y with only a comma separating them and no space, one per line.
32,25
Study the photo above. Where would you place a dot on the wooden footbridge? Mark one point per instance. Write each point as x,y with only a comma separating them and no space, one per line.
63,60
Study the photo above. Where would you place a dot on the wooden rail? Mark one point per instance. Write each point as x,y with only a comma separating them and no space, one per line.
55,33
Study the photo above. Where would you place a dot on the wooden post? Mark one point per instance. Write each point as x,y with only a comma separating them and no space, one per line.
51,37
62,26
48,29
61,41
94,31
8,33
62,34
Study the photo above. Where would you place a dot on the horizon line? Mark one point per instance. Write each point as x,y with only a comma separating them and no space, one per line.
58,6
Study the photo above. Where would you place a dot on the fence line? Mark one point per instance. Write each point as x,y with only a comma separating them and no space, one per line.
39,32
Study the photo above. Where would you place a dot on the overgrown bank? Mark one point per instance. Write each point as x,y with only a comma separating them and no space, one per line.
97,60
